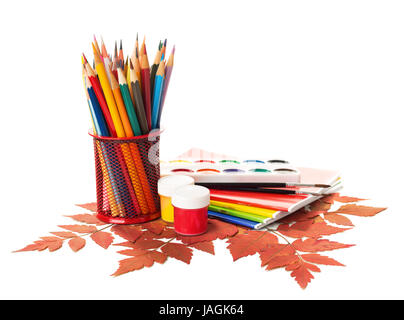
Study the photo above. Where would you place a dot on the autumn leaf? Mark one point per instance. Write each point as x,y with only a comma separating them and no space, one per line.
102,238
302,274
338,219
77,243
336,197
319,259
280,260
206,246
127,232
142,244
250,243
216,230
155,227
167,233
50,243
320,205
316,245
64,234
79,228
276,249
92,206
308,229
141,259
178,251
362,211
300,215
87,218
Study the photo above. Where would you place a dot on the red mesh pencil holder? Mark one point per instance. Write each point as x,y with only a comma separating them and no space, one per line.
127,171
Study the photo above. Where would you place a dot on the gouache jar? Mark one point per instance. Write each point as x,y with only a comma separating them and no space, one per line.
165,188
191,210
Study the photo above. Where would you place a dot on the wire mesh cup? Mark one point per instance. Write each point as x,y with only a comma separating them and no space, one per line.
127,171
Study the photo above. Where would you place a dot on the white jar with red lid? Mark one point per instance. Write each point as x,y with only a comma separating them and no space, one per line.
191,210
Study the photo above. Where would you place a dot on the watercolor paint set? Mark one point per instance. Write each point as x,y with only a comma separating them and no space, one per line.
232,170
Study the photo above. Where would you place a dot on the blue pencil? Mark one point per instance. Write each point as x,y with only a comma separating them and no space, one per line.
97,112
235,220
158,90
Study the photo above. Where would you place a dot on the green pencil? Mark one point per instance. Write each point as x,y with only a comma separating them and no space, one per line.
128,103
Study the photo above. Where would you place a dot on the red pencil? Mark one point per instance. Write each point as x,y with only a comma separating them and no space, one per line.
101,99
145,75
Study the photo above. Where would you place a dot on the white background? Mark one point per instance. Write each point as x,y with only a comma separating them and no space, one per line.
319,83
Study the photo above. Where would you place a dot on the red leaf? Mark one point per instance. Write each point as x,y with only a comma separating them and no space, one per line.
297,264
77,243
142,259
166,234
308,229
155,227
87,218
130,233
216,230
64,234
319,259
206,246
316,245
79,228
50,243
319,205
38,246
54,245
338,219
273,250
336,197
302,275
300,215
92,206
362,211
250,243
178,251
102,238
279,261
142,244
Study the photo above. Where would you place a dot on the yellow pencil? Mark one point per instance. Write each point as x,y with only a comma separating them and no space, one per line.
109,96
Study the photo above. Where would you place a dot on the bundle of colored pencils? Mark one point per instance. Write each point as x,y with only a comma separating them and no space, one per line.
126,98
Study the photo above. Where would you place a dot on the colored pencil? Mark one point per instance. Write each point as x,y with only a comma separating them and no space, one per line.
138,101
126,123
163,50
98,118
145,74
101,99
158,88
153,70
168,71
120,56
109,96
123,86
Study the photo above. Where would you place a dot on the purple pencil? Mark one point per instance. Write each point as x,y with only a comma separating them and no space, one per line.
168,70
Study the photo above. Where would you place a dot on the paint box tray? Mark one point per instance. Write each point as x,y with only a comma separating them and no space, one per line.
232,170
